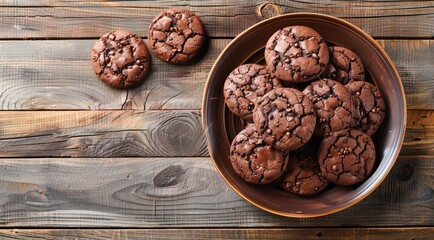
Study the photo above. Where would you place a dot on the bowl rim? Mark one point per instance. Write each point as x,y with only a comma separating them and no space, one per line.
368,189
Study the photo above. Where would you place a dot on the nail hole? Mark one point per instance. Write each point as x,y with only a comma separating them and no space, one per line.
319,234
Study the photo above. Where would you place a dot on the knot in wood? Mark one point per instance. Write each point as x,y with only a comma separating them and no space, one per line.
268,10
36,197
179,135
169,176
405,172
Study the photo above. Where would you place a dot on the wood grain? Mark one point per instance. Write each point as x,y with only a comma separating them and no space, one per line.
420,233
183,192
83,19
101,133
414,63
125,165
419,136
140,133
57,75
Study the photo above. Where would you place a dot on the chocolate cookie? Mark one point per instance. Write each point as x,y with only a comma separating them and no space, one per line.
372,106
176,36
296,54
285,118
344,66
253,160
303,175
346,157
244,85
120,59
334,106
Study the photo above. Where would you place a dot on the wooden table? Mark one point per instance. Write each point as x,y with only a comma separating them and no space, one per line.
134,163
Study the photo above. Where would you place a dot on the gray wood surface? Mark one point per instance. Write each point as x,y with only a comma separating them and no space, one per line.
183,192
84,19
420,233
138,159
57,74
101,133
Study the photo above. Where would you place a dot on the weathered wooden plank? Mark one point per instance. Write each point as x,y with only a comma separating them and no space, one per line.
183,192
419,233
414,63
101,133
91,20
140,133
58,19
58,75
419,136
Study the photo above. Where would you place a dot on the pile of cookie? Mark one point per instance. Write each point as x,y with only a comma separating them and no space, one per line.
121,59
310,115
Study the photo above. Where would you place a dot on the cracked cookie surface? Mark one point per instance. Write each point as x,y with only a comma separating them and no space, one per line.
334,106
176,36
303,175
120,59
296,54
346,157
255,161
285,118
372,107
245,85
344,66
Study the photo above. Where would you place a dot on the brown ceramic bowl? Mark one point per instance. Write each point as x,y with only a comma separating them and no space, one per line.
221,126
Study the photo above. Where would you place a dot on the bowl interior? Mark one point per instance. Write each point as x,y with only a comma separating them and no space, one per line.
221,125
